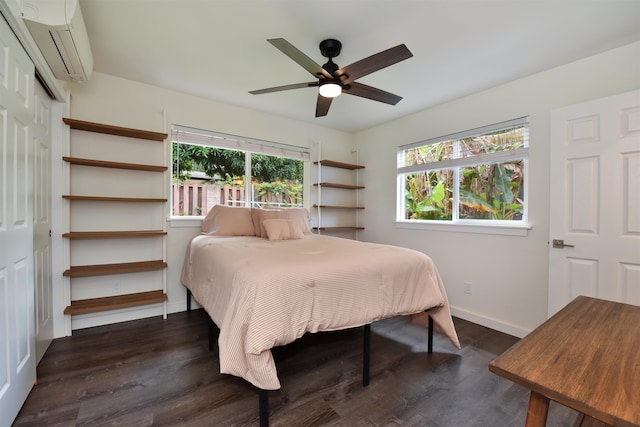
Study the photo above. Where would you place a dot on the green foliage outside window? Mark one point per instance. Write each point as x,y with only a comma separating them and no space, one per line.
275,180
228,165
491,191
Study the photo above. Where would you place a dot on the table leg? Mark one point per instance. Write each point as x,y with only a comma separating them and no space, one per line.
538,409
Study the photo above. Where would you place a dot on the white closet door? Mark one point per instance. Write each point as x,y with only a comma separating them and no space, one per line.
42,221
17,339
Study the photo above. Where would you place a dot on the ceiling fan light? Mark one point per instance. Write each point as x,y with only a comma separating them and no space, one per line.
330,90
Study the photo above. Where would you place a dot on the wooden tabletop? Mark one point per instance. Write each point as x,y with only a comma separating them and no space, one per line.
586,357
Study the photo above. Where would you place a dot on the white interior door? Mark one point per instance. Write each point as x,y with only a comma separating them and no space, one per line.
595,201
17,340
42,221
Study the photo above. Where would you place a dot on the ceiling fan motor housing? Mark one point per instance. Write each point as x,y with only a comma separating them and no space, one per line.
330,48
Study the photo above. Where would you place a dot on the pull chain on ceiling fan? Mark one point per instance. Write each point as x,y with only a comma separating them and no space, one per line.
332,80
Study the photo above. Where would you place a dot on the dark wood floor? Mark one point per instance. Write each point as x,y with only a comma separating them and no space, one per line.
160,372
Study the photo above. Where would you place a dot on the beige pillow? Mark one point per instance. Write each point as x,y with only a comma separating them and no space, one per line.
265,214
282,229
228,221
301,217
256,218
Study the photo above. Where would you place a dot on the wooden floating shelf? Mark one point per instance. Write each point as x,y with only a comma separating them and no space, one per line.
114,165
112,199
112,234
335,185
114,130
335,164
337,207
105,269
338,228
115,302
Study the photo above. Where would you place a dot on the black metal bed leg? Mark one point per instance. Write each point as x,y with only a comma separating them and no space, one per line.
366,355
430,342
188,300
263,407
212,327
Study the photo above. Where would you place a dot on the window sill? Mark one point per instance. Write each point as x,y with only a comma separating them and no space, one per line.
185,222
519,230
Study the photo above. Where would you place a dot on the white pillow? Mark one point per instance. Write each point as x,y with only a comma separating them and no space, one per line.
228,221
282,229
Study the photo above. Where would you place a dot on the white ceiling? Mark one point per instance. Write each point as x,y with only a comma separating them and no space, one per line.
217,49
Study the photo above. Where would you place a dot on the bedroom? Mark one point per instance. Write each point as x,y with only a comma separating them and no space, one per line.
498,301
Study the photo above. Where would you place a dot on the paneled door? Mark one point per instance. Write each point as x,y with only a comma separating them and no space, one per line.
594,242
17,341
42,139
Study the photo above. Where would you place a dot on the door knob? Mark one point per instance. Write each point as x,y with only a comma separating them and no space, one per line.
557,243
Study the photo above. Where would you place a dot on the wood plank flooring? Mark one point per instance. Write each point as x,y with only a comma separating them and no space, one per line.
156,372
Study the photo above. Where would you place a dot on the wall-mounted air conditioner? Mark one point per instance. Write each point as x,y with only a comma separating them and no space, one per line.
58,29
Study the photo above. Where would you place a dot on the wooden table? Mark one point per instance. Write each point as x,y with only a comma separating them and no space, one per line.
586,357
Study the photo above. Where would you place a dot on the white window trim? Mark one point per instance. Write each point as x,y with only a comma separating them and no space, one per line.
467,133
462,226
480,159
478,226
185,221
187,135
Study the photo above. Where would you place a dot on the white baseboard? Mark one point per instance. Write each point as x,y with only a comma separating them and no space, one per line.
90,320
177,307
507,328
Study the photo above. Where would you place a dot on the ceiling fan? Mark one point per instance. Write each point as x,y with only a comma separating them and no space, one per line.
332,81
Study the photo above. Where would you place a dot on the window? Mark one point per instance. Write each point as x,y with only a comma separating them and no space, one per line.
472,177
210,168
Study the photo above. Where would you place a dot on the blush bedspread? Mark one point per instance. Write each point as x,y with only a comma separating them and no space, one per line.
263,294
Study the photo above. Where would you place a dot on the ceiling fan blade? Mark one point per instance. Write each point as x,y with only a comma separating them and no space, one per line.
369,92
374,63
300,58
322,105
285,87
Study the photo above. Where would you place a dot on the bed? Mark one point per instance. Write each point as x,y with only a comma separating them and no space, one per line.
265,280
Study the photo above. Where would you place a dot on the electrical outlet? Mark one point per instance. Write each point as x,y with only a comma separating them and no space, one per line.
115,288
468,288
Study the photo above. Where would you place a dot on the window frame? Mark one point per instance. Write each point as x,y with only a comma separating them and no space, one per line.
483,226
188,135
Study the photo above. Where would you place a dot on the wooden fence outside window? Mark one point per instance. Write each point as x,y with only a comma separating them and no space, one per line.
195,199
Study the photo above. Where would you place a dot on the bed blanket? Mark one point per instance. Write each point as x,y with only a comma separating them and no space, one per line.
263,294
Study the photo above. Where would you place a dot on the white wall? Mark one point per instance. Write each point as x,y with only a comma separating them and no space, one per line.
110,100
509,274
